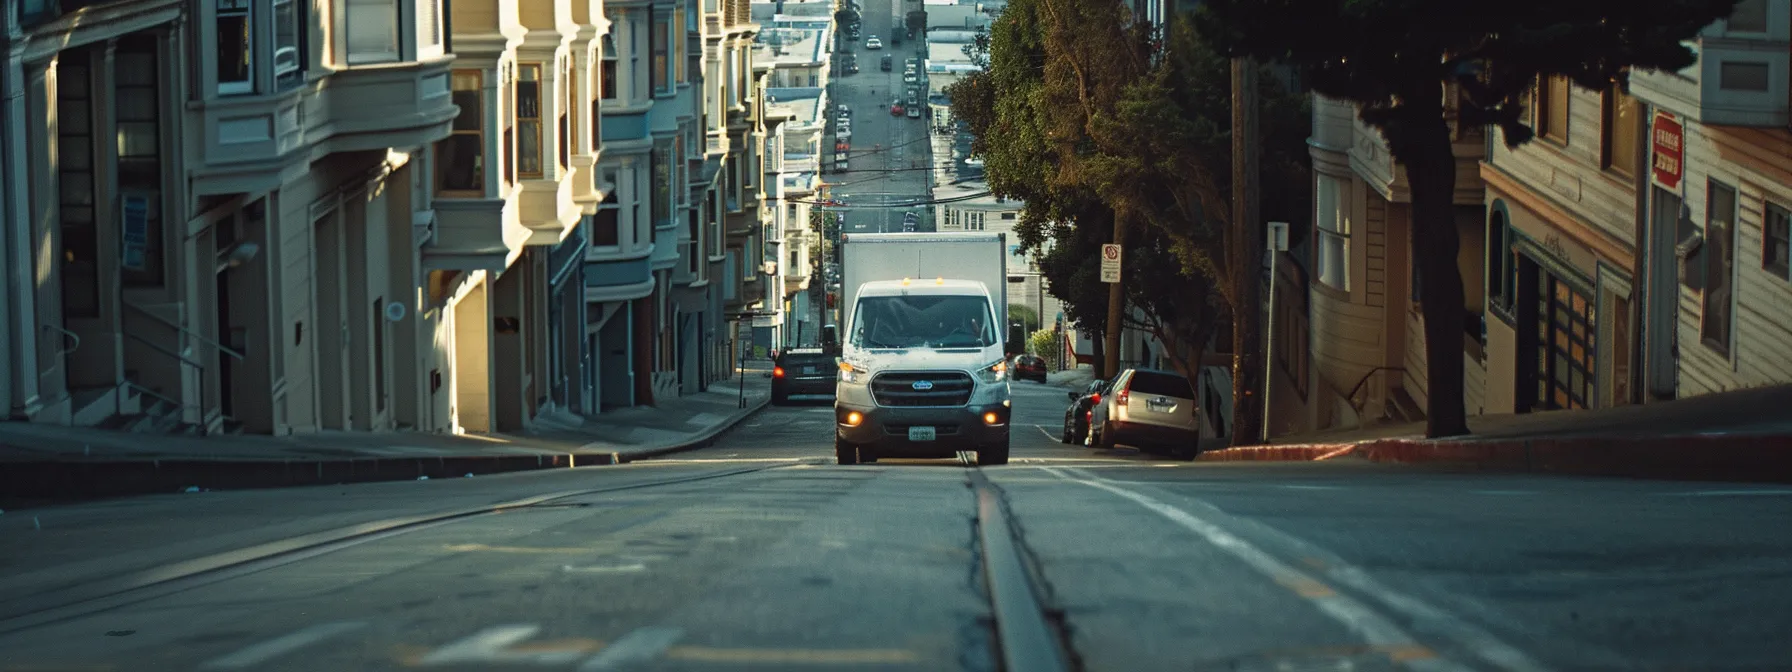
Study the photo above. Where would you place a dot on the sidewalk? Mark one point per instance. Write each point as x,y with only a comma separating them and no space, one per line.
1743,435
57,462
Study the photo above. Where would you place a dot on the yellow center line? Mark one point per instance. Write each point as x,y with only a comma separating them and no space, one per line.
793,656
1306,587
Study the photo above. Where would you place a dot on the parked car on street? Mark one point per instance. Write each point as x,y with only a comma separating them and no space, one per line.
886,64
1077,416
1029,367
1151,410
874,43
914,112
803,372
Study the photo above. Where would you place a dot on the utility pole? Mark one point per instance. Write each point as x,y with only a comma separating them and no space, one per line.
1110,365
1245,258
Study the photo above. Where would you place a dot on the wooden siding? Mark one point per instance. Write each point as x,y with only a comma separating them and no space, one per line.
1570,176
1416,379
1759,164
1474,385
1375,247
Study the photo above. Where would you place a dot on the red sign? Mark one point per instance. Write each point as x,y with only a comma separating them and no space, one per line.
1667,142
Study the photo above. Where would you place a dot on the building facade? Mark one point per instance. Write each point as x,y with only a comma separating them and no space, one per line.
381,215
1716,298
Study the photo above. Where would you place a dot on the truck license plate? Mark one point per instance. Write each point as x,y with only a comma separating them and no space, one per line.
808,369
921,434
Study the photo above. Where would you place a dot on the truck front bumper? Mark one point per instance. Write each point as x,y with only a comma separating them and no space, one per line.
884,429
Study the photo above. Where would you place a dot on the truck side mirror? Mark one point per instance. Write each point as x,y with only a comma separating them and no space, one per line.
1074,396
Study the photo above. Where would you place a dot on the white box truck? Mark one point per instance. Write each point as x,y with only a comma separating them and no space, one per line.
922,369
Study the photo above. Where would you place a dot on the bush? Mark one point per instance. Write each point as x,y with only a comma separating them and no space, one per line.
1044,343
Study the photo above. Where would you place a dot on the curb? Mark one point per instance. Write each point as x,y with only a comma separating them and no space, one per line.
1766,458
93,479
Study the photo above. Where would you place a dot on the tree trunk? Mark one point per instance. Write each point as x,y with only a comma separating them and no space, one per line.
1424,149
1116,304
1245,260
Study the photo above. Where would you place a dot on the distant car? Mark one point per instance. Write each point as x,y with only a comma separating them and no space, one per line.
845,112
886,63
1150,409
896,109
843,133
874,43
1029,367
1077,416
803,372
914,112
908,78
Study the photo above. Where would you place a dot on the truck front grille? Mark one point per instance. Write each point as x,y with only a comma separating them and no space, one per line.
949,388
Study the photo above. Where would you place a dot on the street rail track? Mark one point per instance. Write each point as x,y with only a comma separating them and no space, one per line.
1030,636
56,606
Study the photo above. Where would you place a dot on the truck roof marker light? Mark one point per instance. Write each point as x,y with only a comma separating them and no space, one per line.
939,281
905,282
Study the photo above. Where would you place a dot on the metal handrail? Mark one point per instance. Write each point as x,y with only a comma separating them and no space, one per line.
164,350
1350,398
144,390
172,325
68,335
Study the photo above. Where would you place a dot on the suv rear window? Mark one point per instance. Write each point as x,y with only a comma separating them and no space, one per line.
1163,384
809,359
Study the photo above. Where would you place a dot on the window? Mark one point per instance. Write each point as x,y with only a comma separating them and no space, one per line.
528,120
137,109
1552,108
289,54
656,44
236,72
608,72
1749,16
569,84
606,229
372,27
75,154
1742,76
679,60
1332,221
507,117
1720,220
1501,274
460,157
595,138
1776,247
1619,132
429,27
662,182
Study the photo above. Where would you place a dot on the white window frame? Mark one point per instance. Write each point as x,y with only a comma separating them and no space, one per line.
285,63
1331,226
430,40
358,20
246,9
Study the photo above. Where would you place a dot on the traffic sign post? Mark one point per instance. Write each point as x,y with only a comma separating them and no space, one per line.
1110,263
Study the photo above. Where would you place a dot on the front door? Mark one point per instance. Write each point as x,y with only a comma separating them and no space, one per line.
1663,312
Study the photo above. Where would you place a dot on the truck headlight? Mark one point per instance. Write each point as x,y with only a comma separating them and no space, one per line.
993,373
851,373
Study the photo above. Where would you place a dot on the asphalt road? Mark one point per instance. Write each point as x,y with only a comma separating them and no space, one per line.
890,156
758,553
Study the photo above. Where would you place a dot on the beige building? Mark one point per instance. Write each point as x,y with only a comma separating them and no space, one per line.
1351,348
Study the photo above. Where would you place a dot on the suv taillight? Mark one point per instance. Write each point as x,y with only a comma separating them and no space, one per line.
1124,393
1095,399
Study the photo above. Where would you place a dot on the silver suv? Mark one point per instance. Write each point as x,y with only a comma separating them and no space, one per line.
1150,409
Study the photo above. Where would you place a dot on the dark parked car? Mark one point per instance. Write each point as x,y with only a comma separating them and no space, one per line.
1029,367
804,372
1076,418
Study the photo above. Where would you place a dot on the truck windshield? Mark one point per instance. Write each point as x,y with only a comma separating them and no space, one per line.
923,322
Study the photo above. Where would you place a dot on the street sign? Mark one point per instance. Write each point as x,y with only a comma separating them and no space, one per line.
1278,236
1110,263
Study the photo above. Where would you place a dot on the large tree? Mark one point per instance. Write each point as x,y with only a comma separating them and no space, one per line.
1412,65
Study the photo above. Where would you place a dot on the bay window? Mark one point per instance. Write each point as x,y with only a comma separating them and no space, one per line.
235,52
507,117
662,182
607,74
606,228
528,120
460,157
372,30
1332,255
680,61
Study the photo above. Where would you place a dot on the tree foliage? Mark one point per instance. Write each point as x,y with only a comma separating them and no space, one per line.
1417,68
1096,119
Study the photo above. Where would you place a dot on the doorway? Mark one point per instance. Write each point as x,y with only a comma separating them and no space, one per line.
1662,313
1565,347
332,325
